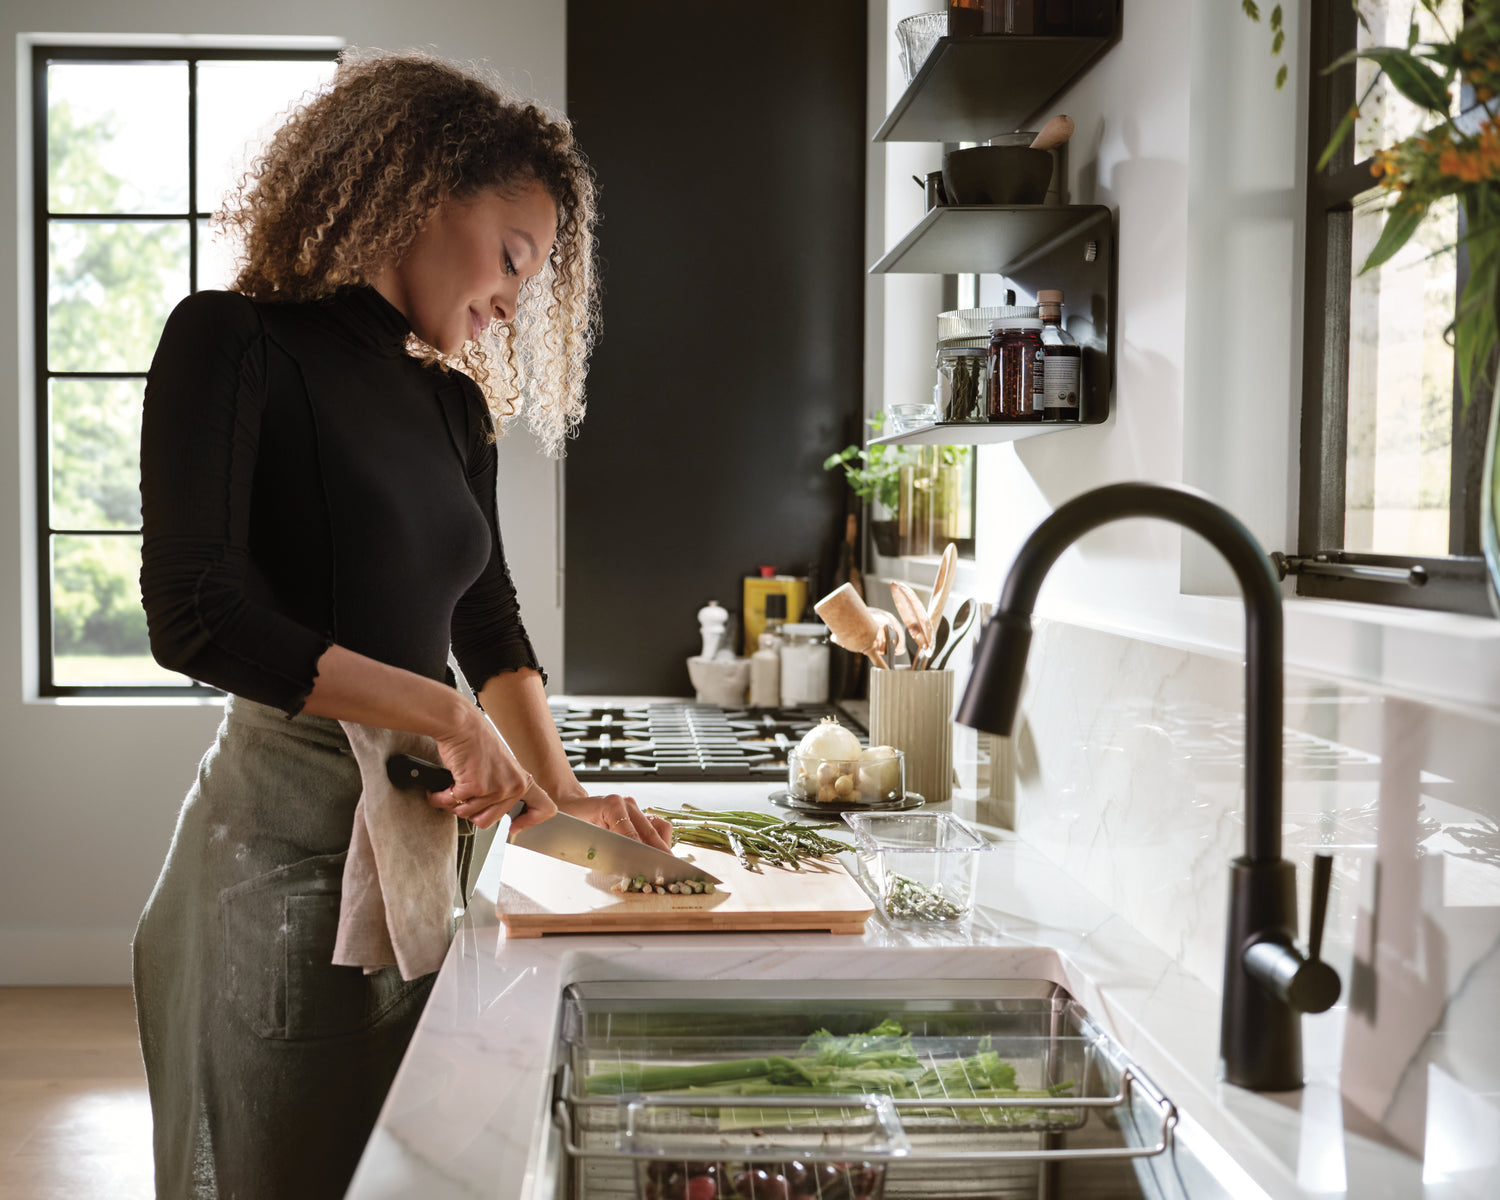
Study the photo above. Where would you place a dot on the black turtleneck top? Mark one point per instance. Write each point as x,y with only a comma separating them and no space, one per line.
304,481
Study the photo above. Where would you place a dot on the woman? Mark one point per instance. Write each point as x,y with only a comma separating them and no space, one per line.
317,477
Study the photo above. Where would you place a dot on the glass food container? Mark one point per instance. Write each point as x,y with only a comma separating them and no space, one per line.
867,782
923,866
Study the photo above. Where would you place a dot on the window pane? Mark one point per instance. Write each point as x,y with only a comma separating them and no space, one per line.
1401,389
98,625
1387,116
117,137
216,261
110,287
240,104
95,430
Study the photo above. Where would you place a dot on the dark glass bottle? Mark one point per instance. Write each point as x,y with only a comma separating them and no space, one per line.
965,17
1063,382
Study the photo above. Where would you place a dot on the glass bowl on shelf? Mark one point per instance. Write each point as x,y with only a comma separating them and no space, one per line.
915,38
903,418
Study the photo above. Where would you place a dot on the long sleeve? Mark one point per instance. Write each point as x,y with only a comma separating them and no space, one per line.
488,634
200,435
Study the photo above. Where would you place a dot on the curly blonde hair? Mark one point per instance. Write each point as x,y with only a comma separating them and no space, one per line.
341,189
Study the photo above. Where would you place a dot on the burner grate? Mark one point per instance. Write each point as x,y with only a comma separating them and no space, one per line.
686,740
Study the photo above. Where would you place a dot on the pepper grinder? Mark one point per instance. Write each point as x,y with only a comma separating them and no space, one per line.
712,620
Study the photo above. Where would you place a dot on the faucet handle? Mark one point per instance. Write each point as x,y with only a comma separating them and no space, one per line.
1308,984
1322,879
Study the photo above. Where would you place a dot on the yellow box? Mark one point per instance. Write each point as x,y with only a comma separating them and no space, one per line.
757,588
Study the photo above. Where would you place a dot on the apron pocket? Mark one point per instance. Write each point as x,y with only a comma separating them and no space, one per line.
279,931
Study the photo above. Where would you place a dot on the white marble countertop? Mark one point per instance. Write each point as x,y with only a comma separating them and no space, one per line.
465,1114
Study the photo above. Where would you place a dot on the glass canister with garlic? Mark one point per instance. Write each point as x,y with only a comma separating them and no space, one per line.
830,767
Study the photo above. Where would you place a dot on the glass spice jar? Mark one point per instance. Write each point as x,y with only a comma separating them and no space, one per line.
963,377
1017,362
804,664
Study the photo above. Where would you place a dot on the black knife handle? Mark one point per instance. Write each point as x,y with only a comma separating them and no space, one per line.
407,770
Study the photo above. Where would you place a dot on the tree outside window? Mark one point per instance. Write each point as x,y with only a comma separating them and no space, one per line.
124,197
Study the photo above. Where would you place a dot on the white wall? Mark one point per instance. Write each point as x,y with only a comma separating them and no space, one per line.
92,790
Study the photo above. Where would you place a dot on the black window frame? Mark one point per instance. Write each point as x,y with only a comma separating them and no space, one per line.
1324,569
42,56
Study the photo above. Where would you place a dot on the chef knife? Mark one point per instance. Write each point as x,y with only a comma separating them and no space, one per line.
561,836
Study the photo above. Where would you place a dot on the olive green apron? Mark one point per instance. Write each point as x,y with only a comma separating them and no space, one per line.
266,1065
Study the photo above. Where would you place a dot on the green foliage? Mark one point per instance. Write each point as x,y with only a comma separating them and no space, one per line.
874,472
1278,35
110,287
1443,160
96,600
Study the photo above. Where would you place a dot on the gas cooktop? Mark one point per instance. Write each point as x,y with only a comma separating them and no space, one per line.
684,740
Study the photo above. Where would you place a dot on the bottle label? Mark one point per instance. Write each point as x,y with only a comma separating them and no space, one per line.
1039,382
1062,381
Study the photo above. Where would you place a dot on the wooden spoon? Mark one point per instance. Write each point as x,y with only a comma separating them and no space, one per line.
943,584
1054,133
851,624
914,616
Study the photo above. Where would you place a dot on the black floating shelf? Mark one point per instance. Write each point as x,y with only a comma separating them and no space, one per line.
971,88
957,239
1070,247
973,433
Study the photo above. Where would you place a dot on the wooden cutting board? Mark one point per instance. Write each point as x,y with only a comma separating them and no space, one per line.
542,895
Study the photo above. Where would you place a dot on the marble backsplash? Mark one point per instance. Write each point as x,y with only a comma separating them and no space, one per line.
1129,775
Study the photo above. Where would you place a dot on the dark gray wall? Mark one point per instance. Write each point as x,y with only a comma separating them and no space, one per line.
729,146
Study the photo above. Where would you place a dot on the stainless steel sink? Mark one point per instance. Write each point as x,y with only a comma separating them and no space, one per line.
1077,1118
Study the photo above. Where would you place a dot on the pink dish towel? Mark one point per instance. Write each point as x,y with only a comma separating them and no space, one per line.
400,876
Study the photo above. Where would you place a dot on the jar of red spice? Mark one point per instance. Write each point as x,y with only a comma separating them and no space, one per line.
1017,362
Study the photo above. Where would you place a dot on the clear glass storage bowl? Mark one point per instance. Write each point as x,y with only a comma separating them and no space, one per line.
916,36
902,418
752,1151
923,866
849,782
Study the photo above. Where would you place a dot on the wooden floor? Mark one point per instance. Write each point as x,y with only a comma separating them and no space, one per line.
74,1120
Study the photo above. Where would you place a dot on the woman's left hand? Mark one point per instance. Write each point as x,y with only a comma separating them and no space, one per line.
619,814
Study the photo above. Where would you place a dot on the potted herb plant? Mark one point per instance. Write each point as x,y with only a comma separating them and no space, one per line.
914,492
874,475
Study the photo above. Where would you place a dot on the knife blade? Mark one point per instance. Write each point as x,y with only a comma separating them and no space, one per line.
560,836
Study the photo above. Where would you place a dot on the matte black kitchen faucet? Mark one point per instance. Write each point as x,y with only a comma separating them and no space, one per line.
1268,982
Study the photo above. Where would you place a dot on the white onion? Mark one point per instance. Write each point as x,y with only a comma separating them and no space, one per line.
879,773
828,740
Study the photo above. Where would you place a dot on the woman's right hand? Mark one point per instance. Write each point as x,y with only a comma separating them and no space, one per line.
487,779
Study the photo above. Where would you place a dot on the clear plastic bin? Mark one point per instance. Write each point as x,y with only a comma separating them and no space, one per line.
837,1151
922,866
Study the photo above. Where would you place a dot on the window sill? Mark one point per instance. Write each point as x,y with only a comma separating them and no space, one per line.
1447,659
125,701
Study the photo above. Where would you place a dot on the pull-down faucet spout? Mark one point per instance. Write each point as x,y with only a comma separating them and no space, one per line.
1268,982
